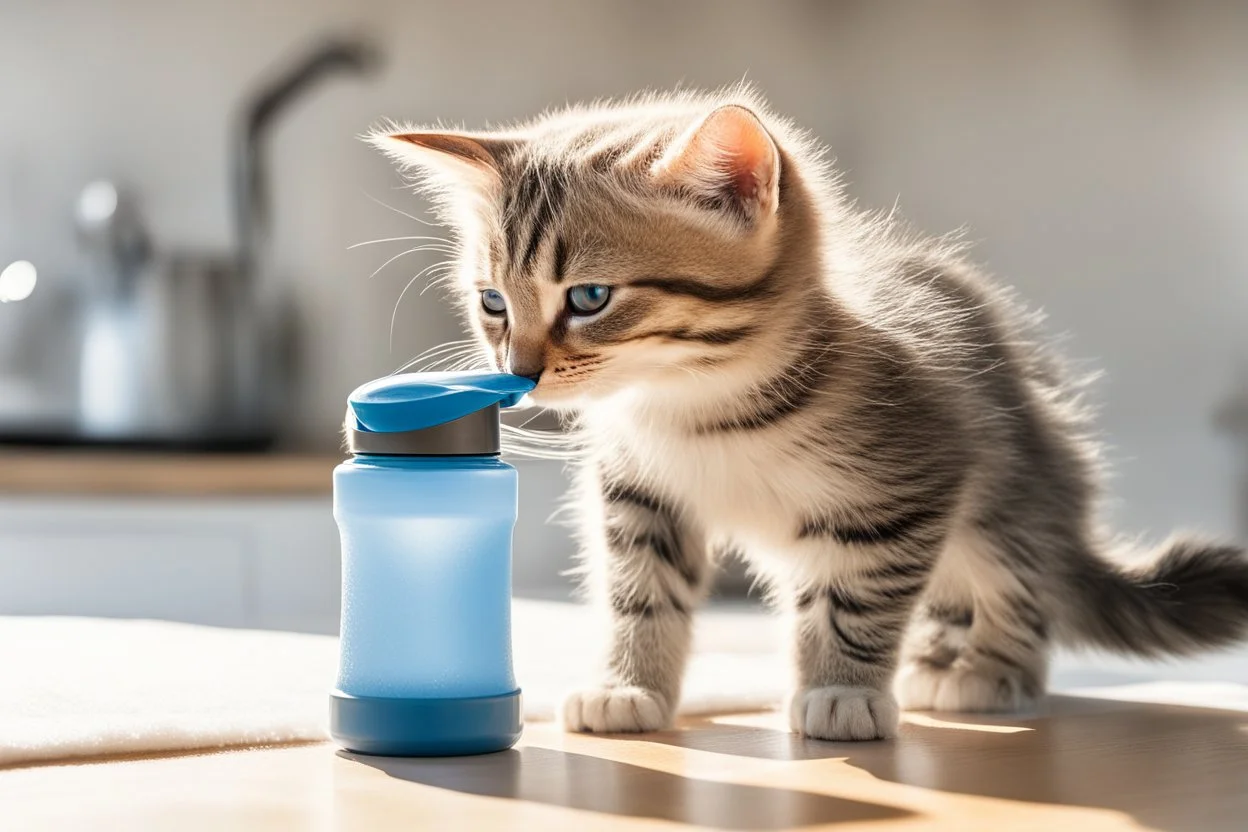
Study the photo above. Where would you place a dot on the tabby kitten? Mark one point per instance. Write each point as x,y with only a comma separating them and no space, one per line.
753,365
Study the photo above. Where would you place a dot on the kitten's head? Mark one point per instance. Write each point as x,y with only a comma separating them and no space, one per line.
618,246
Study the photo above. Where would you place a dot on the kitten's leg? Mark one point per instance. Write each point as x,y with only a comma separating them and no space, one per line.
652,569
979,642
848,628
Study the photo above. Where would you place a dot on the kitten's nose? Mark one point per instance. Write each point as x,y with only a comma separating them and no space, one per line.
530,369
532,375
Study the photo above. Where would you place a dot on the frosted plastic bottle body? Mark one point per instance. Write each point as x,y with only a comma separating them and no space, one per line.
426,615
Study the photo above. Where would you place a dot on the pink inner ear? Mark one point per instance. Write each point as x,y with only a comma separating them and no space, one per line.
747,153
468,149
729,152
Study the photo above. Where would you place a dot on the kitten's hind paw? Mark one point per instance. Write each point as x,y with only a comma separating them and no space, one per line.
843,713
988,689
615,711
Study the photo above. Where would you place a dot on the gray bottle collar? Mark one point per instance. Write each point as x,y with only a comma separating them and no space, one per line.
476,434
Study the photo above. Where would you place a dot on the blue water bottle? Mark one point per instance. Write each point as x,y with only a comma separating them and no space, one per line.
426,511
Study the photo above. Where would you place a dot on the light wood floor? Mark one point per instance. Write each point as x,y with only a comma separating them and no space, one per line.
1083,765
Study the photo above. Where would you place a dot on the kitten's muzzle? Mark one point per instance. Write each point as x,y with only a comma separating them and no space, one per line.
530,370
526,356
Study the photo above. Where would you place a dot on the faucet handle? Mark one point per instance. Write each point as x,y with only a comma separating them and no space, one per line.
1231,416
110,228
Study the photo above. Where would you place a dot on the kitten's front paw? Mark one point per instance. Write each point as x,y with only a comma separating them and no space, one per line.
843,713
615,711
920,687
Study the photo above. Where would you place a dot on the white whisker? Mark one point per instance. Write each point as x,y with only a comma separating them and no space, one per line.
395,314
445,242
563,446
438,352
378,270
441,279
402,213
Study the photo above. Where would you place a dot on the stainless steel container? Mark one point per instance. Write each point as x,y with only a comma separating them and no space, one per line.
167,349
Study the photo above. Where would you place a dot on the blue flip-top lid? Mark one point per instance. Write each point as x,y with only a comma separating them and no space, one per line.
416,401
432,414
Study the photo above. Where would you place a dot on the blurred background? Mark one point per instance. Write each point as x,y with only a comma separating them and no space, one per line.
182,314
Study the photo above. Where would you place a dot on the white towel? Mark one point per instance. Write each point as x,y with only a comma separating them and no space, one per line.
80,687
84,687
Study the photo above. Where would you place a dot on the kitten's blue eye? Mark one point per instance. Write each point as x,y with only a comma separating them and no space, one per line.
493,302
588,299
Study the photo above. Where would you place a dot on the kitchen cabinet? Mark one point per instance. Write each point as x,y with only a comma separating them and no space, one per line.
269,563
203,540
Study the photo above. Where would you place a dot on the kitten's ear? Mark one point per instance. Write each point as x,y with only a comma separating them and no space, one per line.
473,156
728,159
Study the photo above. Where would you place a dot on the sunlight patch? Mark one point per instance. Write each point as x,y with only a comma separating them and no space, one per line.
928,721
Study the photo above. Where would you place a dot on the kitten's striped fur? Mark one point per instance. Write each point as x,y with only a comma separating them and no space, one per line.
856,409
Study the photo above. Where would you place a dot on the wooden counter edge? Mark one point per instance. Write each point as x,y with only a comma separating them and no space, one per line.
27,473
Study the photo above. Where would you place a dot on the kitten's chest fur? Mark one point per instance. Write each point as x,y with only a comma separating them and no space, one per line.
751,487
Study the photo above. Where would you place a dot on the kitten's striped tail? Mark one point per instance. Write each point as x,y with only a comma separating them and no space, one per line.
1192,596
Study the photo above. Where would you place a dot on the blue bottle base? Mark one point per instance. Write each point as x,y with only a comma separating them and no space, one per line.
425,727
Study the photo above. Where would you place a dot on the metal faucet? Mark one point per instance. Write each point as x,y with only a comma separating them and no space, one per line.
352,56
1231,417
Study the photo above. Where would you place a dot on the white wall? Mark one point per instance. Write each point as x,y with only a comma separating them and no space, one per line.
1096,150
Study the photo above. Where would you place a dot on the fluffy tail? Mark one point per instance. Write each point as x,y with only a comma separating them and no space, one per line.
1193,596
